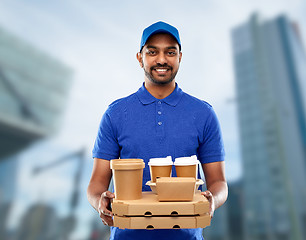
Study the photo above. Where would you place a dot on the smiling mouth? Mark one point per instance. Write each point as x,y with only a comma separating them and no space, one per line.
161,70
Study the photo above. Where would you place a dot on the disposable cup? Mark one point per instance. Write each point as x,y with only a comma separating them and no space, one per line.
137,160
186,166
160,167
127,175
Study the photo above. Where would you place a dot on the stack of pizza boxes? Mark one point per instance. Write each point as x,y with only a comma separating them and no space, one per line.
173,203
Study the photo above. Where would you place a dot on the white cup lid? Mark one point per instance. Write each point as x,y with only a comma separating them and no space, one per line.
161,161
183,161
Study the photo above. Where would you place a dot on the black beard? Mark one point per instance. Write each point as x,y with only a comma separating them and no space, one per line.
152,79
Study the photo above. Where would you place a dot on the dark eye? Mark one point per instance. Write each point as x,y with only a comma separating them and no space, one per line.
172,53
151,52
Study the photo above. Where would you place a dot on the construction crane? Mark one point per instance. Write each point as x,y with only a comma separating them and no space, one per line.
69,222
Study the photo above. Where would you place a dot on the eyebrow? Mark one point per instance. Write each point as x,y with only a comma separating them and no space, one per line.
171,47
150,46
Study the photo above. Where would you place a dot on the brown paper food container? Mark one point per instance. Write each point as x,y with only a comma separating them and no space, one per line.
175,189
153,185
127,160
160,171
127,175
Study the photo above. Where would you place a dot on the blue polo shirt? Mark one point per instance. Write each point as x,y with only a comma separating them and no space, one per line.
141,126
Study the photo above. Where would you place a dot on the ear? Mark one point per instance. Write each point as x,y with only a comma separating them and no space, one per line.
180,57
139,58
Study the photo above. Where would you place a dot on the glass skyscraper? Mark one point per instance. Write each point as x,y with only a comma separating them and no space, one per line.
33,94
270,65
8,171
218,229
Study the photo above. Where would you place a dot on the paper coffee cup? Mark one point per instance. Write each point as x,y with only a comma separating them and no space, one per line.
187,166
160,167
127,175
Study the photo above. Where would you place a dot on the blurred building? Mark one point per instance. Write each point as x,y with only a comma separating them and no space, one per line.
98,231
270,76
227,221
8,171
33,95
218,229
234,205
8,177
40,222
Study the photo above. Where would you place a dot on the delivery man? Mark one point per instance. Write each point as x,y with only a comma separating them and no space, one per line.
158,120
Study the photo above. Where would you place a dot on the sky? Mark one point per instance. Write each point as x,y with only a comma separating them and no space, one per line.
99,40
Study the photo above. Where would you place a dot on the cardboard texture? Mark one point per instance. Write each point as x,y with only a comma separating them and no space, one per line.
201,221
160,171
127,175
187,171
153,185
175,189
149,205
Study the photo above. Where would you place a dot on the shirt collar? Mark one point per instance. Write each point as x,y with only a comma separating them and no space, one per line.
146,98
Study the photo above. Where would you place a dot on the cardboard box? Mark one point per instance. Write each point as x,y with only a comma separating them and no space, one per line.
152,185
149,205
175,188
201,221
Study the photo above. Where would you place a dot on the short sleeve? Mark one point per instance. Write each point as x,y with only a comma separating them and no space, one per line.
211,147
106,145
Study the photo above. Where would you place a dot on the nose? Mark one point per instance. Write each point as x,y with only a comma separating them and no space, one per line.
161,58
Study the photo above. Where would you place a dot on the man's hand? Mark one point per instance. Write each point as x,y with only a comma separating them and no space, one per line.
211,201
217,189
104,208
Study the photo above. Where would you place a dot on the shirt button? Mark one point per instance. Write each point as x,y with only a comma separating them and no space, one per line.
159,112
159,123
159,102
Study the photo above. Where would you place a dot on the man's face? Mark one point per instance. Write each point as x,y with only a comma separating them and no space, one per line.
160,58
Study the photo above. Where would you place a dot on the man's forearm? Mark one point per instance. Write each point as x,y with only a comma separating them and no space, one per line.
219,191
94,192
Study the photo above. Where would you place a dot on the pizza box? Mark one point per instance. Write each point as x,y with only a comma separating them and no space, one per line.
162,222
149,205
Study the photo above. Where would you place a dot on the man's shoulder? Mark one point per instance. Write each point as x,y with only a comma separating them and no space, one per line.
196,102
201,110
121,103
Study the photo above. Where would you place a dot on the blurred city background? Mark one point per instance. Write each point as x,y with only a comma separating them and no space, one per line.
63,62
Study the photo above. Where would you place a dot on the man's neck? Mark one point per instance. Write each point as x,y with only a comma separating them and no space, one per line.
159,91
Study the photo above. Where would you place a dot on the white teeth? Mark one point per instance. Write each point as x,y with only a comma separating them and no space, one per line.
161,70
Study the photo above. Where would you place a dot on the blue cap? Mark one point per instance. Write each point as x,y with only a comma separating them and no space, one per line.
159,27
